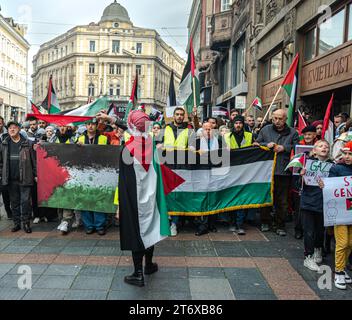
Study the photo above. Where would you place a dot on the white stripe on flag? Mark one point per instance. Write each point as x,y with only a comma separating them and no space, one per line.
185,90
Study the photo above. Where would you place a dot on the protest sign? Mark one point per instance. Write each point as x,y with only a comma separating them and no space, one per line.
337,201
316,170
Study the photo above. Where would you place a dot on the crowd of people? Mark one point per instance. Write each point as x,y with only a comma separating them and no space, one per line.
292,198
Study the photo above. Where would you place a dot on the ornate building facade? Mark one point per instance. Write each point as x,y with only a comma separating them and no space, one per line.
104,58
13,70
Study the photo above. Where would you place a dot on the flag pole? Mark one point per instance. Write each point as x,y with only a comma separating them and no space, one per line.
249,109
272,103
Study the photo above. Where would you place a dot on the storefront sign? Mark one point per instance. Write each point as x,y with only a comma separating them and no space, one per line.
269,90
323,74
241,102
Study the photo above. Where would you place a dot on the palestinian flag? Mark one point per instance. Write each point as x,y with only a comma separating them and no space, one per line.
257,103
244,181
171,100
133,98
59,120
35,109
92,109
143,187
290,84
77,177
301,123
328,126
51,104
189,92
349,204
298,161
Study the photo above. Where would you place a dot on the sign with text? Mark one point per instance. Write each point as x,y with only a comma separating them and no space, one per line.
316,170
337,201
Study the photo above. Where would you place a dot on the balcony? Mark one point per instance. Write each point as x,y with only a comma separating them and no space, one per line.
221,30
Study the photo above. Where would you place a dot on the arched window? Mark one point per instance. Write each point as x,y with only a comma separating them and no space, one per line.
111,89
91,89
118,90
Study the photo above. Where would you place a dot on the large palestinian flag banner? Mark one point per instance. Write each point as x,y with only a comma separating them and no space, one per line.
242,180
78,177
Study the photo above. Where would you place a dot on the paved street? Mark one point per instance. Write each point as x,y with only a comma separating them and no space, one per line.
217,266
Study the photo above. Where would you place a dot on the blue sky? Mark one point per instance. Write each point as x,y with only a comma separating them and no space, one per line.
50,18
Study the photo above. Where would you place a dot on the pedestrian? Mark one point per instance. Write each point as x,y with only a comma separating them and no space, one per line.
207,142
309,139
282,139
139,231
18,172
236,139
312,212
319,126
93,221
343,233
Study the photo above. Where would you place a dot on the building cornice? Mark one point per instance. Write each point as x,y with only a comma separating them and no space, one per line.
14,33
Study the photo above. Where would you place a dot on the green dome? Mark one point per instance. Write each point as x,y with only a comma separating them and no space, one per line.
115,12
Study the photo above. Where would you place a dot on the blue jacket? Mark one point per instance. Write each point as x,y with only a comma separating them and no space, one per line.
340,170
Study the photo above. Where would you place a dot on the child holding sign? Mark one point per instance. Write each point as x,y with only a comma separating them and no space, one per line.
312,210
343,234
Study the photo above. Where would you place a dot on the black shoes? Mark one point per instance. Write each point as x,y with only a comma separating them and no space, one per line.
202,232
213,229
27,228
136,279
101,232
150,269
90,231
16,228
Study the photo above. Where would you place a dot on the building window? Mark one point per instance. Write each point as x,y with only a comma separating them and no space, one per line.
139,69
91,89
209,28
139,48
111,68
223,75
276,66
62,52
310,44
111,90
239,63
273,67
66,50
91,68
92,46
225,5
118,69
72,46
115,46
331,32
118,91
350,22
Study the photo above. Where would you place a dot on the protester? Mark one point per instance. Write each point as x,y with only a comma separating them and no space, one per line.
312,212
32,133
319,126
339,125
207,142
250,124
132,238
343,233
236,139
309,139
93,220
18,172
50,134
42,124
344,137
177,136
281,139
223,130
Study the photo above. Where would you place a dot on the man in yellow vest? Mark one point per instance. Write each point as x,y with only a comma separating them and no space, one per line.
238,138
93,220
176,137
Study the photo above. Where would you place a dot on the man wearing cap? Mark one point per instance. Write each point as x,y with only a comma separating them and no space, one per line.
93,220
18,173
238,138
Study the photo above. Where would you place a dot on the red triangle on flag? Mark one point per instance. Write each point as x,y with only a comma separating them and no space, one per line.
171,180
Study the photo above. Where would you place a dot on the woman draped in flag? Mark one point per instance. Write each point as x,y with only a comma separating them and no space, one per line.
139,214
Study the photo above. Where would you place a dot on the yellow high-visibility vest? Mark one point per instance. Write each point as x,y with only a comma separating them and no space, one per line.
180,143
102,140
232,143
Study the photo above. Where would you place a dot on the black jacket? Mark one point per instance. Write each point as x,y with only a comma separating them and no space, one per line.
28,166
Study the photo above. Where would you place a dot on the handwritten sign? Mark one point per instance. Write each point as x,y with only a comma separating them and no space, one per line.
316,170
337,201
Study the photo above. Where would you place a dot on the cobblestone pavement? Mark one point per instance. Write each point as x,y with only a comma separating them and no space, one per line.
218,266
